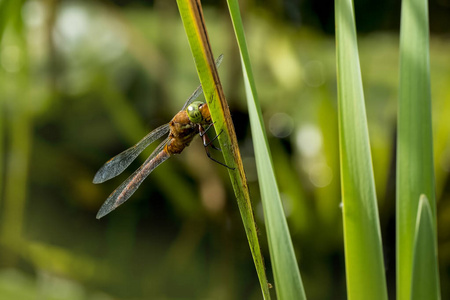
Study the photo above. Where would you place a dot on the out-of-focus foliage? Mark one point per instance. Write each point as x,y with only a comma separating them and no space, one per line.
80,81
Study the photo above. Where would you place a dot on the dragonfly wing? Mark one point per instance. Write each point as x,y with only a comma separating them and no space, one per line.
129,186
121,161
198,91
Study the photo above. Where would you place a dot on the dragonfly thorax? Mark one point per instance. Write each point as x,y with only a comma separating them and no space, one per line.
194,113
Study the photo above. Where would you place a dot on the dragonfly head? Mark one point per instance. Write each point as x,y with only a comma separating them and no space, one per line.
194,113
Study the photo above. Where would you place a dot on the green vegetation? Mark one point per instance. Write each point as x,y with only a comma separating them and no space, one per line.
80,81
362,238
194,24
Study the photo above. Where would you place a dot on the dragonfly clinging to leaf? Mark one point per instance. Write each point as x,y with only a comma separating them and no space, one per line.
193,118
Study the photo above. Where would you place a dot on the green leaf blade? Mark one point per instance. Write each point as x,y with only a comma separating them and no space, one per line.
362,237
193,22
288,283
415,171
425,272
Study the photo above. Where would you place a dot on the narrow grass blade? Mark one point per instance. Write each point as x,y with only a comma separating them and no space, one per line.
193,21
288,283
362,237
415,172
425,271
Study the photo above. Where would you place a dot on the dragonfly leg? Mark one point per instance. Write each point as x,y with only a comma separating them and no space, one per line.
210,142
207,143
204,131
215,160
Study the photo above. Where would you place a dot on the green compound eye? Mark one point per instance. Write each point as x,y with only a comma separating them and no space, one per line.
194,113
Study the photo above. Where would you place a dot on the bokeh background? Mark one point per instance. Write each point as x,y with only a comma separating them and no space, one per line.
81,81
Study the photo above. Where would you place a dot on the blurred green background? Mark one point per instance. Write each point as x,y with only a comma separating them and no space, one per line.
81,81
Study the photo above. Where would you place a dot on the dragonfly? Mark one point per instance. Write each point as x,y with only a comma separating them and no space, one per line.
194,118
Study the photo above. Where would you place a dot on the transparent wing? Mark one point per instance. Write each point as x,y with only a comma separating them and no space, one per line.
129,186
120,162
198,91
